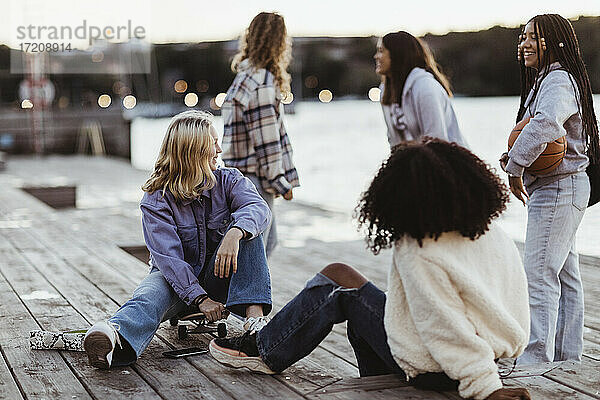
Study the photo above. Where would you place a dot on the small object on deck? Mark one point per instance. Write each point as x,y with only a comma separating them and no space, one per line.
138,251
91,132
191,351
45,340
63,196
2,161
200,324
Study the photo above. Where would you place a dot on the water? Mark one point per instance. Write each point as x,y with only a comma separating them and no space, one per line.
339,146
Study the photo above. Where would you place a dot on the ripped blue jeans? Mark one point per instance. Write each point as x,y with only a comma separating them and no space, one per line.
296,330
307,319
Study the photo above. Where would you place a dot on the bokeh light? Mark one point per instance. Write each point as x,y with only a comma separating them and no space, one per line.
104,100
97,56
325,96
311,82
288,98
129,102
180,86
63,102
374,94
202,86
220,99
26,104
191,99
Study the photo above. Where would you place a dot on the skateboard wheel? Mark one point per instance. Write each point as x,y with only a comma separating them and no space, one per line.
182,332
173,321
221,330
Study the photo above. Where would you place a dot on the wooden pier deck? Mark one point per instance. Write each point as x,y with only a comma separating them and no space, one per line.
65,269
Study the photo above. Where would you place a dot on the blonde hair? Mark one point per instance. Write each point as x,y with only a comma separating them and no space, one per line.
183,165
266,45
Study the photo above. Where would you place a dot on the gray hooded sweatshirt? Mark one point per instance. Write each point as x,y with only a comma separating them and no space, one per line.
426,111
555,113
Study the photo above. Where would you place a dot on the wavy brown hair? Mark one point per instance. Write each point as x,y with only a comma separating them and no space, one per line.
266,45
426,188
183,165
408,52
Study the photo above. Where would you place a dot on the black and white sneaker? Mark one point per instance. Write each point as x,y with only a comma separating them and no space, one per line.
99,343
238,352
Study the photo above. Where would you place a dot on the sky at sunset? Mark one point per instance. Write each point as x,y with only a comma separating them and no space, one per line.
200,20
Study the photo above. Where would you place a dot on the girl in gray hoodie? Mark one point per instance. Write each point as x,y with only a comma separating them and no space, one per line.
556,94
415,98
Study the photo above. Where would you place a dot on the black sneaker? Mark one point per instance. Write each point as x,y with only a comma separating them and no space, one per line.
238,352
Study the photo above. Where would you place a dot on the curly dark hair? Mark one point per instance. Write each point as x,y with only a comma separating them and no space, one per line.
426,188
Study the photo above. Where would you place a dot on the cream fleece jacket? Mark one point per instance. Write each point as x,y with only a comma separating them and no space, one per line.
455,305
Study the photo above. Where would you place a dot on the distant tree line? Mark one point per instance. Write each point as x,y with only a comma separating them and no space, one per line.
478,63
484,63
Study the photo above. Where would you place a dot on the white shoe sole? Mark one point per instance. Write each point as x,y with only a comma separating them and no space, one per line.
252,363
98,348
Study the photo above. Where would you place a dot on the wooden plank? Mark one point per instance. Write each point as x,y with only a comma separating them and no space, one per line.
15,201
119,290
373,387
39,374
8,386
53,312
239,383
583,377
539,369
304,376
157,371
543,388
591,349
592,335
367,383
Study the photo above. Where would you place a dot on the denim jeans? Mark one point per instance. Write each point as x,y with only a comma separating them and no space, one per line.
270,234
155,301
296,330
552,267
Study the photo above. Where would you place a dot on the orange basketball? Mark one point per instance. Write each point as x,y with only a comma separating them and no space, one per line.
550,158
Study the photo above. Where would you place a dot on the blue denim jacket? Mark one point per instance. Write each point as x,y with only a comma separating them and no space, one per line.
179,234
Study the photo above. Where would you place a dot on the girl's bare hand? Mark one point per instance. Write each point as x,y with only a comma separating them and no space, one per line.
226,258
516,187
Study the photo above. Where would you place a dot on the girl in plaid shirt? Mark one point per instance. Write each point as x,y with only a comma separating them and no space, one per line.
255,140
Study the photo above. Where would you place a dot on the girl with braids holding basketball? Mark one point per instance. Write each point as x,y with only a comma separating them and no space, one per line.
556,95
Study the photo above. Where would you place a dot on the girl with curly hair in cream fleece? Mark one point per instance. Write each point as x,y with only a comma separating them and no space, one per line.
446,316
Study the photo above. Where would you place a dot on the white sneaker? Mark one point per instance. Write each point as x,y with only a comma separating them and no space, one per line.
255,324
99,343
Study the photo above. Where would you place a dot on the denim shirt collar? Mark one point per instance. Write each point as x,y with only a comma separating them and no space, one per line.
205,193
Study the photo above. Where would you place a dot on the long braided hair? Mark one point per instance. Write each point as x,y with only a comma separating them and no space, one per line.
267,45
562,46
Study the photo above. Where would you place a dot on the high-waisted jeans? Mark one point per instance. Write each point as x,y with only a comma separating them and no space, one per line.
155,301
270,234
551,262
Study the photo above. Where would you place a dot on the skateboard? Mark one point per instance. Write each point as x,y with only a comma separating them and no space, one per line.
199,324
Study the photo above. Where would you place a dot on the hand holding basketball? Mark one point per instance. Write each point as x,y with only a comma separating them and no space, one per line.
550,158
